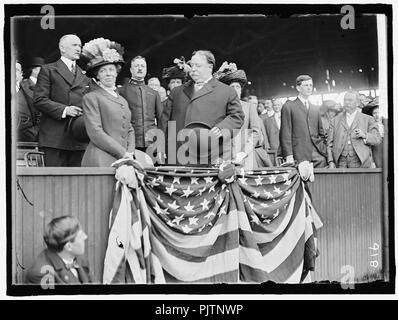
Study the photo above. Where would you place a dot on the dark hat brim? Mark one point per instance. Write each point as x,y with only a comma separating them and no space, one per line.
173,73
236,76
91,70
37,62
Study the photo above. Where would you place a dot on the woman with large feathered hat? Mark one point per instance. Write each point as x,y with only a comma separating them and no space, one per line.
106,114
252,139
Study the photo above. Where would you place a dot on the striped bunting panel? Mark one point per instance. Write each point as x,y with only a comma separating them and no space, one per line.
210,225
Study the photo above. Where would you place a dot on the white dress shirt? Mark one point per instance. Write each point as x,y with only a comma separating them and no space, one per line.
200,85
68,63
350,117
305,102
33,79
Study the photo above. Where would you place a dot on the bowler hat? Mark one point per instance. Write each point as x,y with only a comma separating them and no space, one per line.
37,62
77,129
205,147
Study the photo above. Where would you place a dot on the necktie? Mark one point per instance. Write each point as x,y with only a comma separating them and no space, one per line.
72,264
73,68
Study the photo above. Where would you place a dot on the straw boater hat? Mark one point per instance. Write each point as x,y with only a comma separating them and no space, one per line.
100,52
229,73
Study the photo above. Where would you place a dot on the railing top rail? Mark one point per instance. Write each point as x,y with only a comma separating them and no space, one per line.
70,171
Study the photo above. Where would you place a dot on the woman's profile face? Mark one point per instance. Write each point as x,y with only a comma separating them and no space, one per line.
237,87
107,75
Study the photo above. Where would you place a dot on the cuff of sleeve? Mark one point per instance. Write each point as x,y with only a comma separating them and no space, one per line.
64,113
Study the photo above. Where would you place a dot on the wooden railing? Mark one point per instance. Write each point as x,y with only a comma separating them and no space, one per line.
350,203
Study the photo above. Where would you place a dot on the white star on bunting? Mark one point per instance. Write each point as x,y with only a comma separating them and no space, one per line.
205,204
243,180
188,207
212,189
255,194
193,220
285,176
288,192
277,190
222,211
174,205
259,181
200,191
264,205
268,194
194,180
187,192
177,220
272,178
208,179
186,229
288,182
210,214
176,180
160,178
170,190
153,183
158,209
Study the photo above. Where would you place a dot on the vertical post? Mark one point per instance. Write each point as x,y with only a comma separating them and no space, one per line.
383,100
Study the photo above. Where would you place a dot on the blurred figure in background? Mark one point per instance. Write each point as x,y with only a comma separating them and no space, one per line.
328,111
372,109
154,83
272,123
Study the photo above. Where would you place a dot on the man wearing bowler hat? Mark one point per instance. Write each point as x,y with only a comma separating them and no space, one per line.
28,115
202,99
58,95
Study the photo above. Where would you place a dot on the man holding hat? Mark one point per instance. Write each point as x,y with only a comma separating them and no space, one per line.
58,95
203,99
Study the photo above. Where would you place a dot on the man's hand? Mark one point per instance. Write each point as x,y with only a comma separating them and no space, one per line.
216,131
73,111
332,165
290,159
360,134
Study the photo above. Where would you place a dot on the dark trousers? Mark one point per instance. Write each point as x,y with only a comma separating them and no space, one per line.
318,160
62,158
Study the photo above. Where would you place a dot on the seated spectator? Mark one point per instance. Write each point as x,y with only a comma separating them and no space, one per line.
351,135
61,262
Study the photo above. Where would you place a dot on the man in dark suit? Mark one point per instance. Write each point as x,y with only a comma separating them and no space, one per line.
206,100
272,123
144,103
28,116
61,262
301,136
351,136
58,95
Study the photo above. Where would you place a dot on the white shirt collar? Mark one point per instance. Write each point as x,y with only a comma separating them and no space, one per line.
68,62
303,100
271,113
352,115
33,79
206,81
112,90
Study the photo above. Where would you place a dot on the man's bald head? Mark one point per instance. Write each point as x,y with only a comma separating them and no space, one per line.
70,46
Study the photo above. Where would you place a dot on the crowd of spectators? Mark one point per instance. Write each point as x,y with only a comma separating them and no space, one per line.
50,107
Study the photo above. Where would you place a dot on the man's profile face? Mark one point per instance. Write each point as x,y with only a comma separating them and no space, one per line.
305,88
350,102
71,47
201,69
18,72
237,87
78,244
174,83
138,69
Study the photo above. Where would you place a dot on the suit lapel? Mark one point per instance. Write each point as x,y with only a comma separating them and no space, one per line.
79,78
63,70
301,105
59,266
356,119
189,89
206,89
